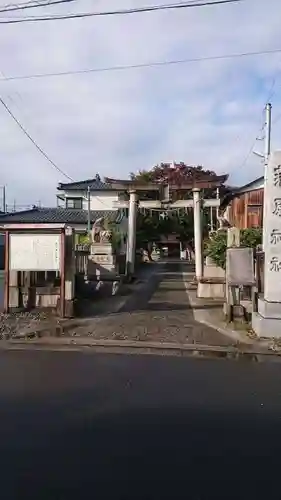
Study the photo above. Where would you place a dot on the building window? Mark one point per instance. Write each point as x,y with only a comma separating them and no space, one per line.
74,203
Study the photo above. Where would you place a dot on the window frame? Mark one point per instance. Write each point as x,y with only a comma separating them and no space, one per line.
74,200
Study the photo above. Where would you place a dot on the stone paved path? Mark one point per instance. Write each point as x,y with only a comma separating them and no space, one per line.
159,312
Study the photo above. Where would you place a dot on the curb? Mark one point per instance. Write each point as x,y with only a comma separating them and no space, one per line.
49,330
135,346
228,332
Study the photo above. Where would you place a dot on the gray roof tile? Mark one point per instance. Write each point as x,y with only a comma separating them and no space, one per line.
95,184
58,216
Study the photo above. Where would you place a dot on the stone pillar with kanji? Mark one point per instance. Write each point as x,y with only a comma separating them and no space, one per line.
267,321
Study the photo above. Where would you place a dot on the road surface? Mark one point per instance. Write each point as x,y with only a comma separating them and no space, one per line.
159,312
78,425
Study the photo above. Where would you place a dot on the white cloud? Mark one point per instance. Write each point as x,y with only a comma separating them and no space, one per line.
116,122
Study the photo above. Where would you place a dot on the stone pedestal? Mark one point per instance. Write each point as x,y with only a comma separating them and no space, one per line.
212,284
102,261
211,270
266,322
211,288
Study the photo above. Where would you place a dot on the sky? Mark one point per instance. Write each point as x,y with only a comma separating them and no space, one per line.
115,122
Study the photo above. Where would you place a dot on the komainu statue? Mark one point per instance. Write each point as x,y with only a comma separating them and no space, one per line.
99,233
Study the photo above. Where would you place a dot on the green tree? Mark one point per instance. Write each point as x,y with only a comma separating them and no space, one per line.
216,246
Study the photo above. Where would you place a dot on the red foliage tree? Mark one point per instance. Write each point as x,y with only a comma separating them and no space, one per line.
178,173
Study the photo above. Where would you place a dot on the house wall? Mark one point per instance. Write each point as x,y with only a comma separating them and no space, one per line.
100,200
246,211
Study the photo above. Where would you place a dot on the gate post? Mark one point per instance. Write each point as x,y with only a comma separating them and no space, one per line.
132,227
197,233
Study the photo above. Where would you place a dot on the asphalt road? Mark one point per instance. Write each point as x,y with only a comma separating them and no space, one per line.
78,425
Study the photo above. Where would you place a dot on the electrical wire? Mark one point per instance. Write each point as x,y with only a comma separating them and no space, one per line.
33,141
19,4
153,8
250,151
270,95
32,5
140,65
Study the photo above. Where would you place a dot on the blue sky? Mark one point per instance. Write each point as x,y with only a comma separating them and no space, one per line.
114,122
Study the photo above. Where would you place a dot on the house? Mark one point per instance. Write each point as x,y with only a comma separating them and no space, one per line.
77,195
77,203
243,206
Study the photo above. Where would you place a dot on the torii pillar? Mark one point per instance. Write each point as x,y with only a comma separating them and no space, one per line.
198,246
132,228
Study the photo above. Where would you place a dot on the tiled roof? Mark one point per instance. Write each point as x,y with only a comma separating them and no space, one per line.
95,184
59,216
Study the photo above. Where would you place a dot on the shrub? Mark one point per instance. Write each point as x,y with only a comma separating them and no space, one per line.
215,247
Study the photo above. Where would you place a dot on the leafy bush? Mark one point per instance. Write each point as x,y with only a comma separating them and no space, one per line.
83,239
215,247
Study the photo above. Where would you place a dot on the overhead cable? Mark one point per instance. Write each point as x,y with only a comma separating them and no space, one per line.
34,142
153,8
151,64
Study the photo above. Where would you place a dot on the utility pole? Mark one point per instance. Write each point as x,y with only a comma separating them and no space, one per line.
4,199
267,150
217,210
267,145
89,210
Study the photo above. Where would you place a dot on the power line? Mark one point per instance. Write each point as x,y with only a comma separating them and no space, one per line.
32,5
19,4
33,141
270,95
247,155
140,65
138,10
250,151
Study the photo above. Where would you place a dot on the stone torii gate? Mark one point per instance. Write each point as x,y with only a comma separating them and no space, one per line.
163,193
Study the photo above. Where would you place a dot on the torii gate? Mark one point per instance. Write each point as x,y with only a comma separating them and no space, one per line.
134,188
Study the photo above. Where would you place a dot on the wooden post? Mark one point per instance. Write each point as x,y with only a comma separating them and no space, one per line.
7,272
69,271
62,274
